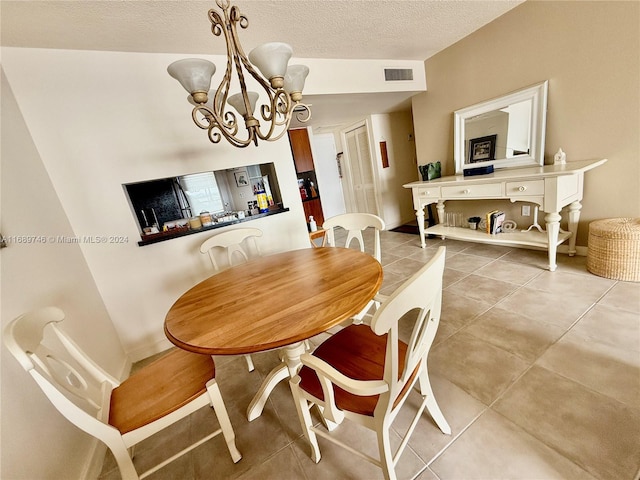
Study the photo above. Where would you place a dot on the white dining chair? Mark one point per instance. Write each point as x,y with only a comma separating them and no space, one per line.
354,224
120,414
235,246
364,373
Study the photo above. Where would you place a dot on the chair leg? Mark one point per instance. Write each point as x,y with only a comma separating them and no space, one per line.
304,415
329,425
432,405
125,463
223,418
249,362
386,455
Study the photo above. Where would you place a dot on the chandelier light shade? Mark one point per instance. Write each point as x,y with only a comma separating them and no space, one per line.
194,75
272,59
294,81
237,102
265,67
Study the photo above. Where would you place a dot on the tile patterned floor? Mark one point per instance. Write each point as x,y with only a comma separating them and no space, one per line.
537,373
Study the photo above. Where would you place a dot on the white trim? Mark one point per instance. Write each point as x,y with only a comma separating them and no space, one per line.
148,350
95,460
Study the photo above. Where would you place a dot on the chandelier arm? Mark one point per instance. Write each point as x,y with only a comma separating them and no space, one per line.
241,60
281,107
277,137
268,113
303,115
235,57
227,127
233,140
218,27
213,119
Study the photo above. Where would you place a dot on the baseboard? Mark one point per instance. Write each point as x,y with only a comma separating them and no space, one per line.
95,460
391,226
146,351
580,251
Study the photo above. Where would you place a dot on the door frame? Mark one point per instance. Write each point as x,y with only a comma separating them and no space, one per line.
347,178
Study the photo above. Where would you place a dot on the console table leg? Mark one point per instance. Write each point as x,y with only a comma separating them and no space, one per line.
574,217
420,219
440,210
553,229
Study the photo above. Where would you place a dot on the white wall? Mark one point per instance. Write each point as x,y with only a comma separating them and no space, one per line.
396,129
102,119
324,159
37,442
108,118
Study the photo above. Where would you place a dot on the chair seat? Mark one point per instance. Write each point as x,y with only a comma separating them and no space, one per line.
358,353
162,387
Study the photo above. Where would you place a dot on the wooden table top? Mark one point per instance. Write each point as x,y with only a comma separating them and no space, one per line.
273,301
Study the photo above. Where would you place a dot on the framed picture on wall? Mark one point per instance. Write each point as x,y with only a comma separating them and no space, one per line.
482,149
242,178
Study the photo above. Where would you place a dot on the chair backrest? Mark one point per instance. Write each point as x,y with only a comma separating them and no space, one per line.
232,241
75,385
355,224
419,297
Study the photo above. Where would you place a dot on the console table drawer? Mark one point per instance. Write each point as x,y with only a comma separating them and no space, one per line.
473,191
525,189
433,192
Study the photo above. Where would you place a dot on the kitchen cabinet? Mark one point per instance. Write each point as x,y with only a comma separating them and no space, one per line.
301,149
314,208
305,169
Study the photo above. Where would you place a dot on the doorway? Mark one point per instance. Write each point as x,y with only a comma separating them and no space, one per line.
360,178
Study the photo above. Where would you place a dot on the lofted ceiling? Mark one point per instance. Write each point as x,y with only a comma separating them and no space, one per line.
353,29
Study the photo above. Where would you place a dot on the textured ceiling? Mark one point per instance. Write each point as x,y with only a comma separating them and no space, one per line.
364,29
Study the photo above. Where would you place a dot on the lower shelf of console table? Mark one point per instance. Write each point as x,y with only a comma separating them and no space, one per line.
531,238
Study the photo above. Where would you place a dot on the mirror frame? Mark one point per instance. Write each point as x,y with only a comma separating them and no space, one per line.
538,94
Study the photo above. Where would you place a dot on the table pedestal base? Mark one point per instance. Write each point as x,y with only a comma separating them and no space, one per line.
287,369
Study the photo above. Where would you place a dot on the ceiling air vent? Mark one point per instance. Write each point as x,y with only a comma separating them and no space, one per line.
395,74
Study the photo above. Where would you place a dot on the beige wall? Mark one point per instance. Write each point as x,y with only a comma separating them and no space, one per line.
590,53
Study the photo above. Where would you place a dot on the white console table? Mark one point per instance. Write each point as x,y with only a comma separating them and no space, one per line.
552,187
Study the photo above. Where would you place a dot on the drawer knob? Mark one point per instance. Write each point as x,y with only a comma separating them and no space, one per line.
522,188
466,190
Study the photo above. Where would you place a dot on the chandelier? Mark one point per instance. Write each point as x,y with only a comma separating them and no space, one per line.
282,84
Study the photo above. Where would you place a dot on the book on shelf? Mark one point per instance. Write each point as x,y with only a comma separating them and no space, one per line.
495,219
488,220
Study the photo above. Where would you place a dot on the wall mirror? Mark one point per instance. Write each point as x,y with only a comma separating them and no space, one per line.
507,131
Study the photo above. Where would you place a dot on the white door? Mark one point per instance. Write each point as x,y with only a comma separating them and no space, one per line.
363,192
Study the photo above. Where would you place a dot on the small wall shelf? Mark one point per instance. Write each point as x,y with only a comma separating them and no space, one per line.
182,232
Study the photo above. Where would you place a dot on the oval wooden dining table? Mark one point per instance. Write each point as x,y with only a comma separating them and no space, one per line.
276,301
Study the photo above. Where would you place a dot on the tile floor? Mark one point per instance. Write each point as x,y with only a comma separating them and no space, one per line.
537,373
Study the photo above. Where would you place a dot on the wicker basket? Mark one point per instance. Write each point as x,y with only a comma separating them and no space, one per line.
614,249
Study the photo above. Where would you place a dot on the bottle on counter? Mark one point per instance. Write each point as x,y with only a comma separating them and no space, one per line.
312,224
261,196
